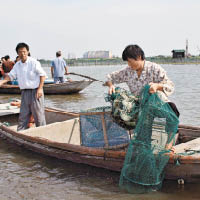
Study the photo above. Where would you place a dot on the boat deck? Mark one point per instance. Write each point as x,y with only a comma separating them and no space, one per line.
192,146
62,132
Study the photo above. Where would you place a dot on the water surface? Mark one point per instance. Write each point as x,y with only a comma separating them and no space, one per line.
28,175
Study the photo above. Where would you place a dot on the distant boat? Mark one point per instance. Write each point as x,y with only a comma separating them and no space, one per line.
68,87
61,138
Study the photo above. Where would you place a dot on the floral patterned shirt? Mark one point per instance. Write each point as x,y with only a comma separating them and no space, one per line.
151,72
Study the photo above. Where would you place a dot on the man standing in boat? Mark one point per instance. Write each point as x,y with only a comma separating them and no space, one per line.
30,76
140,72
58,68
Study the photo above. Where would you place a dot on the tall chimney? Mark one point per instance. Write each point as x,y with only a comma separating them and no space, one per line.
186,48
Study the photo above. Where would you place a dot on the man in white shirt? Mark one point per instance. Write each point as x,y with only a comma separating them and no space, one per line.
58,68
30,76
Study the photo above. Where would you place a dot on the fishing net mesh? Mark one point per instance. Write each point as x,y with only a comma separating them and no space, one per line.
146,157
153,125
98,130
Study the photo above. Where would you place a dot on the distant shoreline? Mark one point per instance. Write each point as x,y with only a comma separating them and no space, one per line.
119,61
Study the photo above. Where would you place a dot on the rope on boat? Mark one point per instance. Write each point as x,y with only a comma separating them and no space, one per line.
187,152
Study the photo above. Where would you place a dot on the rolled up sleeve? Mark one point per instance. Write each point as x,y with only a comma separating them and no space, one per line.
40,70
168,85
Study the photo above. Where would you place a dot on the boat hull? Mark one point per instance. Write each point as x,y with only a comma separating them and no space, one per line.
187,167
62,88
113,164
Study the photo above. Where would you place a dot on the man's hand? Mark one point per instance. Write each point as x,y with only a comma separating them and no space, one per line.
170,148
67,73
153,88
40,88
3,82
111,89
39,93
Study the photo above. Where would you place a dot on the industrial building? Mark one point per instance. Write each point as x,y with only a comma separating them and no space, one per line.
179,53
97,54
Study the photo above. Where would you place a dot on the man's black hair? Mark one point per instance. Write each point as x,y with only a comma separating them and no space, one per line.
22,45
133,51
58,53
6,57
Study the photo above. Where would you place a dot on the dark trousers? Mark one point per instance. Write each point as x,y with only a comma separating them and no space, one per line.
31,105
174,108
59,79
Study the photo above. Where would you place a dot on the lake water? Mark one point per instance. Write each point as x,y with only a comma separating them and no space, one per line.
28,175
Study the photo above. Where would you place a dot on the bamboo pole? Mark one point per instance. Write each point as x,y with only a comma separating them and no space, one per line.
104,131
93,79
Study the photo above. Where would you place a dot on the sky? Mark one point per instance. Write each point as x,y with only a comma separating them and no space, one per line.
77,26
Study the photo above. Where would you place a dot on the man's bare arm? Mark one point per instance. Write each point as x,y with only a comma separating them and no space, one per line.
6,79
40,88
66,71
52,72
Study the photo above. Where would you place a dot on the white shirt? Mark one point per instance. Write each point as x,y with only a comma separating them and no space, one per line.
151,72
28,73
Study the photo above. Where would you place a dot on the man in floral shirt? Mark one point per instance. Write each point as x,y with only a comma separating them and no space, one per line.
141,72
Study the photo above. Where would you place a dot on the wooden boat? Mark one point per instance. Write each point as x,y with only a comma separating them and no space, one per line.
61,138
61,88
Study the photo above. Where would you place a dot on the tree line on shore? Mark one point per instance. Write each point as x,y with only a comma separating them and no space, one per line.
119,61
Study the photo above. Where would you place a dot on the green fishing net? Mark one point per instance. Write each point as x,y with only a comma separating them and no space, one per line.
125,108
155,125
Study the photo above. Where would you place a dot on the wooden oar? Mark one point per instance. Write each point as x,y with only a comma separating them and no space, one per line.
93,79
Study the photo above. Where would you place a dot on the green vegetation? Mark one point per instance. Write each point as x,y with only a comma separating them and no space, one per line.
42,61
169,60
118,61
94,61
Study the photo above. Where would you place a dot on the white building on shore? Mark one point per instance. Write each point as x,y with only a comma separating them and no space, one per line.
97,54
71,56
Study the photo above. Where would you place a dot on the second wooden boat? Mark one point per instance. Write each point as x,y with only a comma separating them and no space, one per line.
68,87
